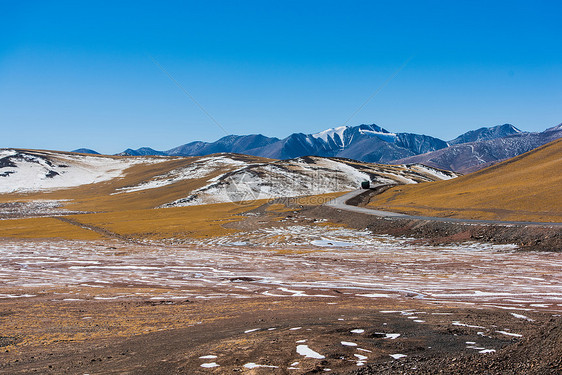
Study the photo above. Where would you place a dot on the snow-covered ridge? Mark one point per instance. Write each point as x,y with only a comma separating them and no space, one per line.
301,176
198,169
343,136
29,171
378,133
331,134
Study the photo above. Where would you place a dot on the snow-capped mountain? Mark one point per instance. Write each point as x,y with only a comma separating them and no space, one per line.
372,143
364,142
344,136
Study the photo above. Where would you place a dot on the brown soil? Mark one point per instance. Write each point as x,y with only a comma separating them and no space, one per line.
541,353
219,328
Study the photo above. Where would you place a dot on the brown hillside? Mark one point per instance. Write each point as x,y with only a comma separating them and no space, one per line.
525,188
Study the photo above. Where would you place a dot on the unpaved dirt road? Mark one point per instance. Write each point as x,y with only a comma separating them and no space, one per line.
341,203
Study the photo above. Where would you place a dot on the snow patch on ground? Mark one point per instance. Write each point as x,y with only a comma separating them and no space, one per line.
509,334
304,350
252,365
519,316
209,365
434,172
34,208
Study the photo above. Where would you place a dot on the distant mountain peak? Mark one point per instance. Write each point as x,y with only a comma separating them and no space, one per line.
371,143
332,133
85,151
486,133
143,151
554,128
342,136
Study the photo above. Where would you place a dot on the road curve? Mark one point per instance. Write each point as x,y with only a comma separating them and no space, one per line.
341,204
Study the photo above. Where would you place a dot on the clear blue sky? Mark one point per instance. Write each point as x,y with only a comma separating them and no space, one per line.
79,74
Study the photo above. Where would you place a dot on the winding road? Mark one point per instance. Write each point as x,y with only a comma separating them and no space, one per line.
341,203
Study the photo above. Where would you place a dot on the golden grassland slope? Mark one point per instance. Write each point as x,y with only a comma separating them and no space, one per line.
45,227
525,188
178,222
200,221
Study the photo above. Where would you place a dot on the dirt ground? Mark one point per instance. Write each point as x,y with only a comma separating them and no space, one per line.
265,332
290,293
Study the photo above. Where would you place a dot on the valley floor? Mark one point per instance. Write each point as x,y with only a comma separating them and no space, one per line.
293,295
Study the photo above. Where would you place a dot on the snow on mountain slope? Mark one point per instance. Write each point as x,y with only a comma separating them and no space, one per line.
437,174
301,176
335,134
198,169
31,171
377,133
343,136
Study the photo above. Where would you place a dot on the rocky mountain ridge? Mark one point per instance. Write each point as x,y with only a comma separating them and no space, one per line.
468,152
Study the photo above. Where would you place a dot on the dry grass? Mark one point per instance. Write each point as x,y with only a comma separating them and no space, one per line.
525,188
44,227
200,221
177,222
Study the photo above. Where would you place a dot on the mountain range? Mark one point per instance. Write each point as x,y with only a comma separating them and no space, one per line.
371,143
